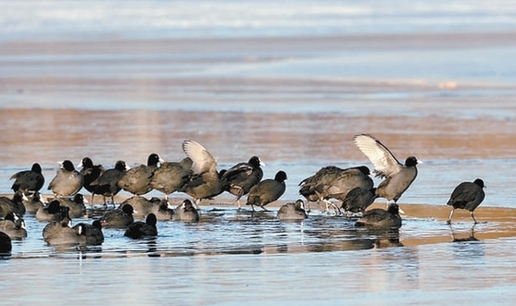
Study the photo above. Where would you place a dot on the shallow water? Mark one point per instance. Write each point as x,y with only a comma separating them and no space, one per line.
292,84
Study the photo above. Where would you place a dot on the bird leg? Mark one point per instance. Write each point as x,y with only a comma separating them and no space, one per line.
473,217
328,203
239,194
451,214
264,209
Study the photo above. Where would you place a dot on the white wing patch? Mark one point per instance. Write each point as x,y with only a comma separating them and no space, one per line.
202,160
385,164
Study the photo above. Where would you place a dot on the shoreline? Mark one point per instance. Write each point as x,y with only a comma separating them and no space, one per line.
494,222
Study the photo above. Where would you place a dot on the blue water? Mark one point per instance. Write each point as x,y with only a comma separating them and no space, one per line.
99,56
75,20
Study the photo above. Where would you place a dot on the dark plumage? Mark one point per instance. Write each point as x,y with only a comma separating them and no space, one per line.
28,181
239,179
121,217
76,205
292,211
204,181
107,183
141,205
90,172
358,199
467,196
53,212
380,218
92,232
138,180
333,182
186,212
15,204
14,226
61,233
5,244
398,177
33,203
267,191
140,229
163,211
171,176
67,181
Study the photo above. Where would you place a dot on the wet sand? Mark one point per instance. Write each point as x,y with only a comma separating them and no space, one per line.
295,102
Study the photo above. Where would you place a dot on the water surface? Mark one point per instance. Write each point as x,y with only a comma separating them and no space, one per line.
291,83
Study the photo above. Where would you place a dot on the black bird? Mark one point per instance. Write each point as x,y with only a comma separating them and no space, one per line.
333,182
381,219
163,211
53,212
62,233
90,172
138,180
204,181
67,181
107,183
171,176
33,203
92,232
76,205
5,244
120,217
28,181
14,204
140,229
14,226
267,191
292,211
239,179
467,196
358,199
398,177
143,207
186,212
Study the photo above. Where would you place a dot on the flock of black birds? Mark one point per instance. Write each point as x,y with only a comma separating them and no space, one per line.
197,176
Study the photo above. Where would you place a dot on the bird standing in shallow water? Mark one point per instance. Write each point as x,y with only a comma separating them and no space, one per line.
67,181
138,180
91,173
240,178
398,177
107,183
467,195
28,181
334,182
267,191
358,199
171,176
204,181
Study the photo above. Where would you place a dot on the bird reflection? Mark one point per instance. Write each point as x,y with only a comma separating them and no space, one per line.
389,238
470,237
152,251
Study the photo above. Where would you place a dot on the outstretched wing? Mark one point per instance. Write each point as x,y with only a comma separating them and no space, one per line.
385,164
203,161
